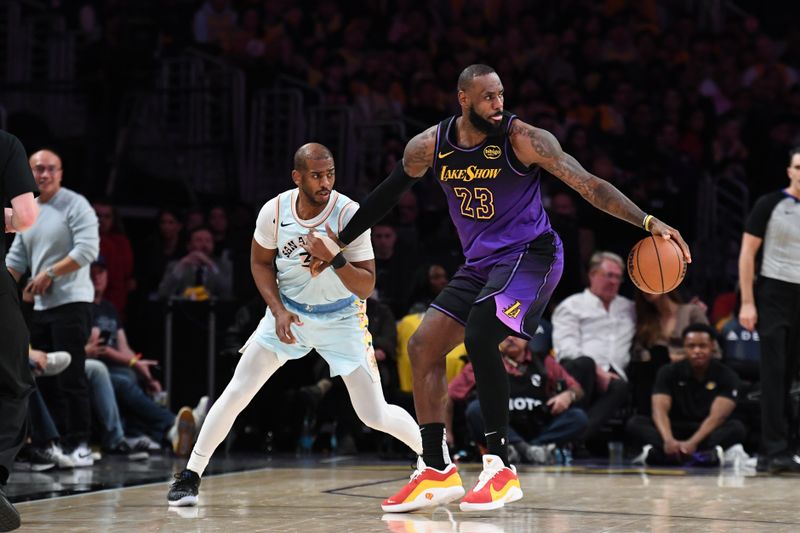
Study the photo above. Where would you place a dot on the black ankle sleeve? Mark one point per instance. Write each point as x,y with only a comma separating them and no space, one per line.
378,203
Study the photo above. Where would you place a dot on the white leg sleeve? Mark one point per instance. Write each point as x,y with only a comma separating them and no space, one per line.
254,369
372,409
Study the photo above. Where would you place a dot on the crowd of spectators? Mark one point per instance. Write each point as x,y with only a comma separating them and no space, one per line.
647,95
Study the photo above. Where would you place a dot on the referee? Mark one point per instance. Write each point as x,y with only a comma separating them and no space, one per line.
775,222
16,381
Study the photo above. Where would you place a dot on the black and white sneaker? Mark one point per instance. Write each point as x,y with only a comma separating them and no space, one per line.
9,516
31,459
786,462
183,492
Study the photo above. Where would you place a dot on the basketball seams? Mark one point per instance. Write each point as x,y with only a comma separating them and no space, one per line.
682,268
658,261
639,275
642,278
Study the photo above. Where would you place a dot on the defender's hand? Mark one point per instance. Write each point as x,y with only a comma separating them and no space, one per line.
668,232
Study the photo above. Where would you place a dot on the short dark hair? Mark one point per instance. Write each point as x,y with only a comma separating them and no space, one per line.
310,151
201,227
793,152
700,327
472,72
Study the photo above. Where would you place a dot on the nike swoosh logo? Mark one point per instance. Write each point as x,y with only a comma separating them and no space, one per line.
442,156
284,225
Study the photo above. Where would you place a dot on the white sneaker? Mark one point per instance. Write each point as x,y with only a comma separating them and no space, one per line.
82,456
641,459
57,362
540,454
55,454
200,411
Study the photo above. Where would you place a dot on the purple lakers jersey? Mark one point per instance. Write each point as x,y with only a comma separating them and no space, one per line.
494,201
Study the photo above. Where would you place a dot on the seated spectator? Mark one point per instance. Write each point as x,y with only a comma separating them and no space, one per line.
163,247
105,412
218,225
592,335
392,269
430,282
542,411
692,402
660,320
43,451
130,376
116,248
198,275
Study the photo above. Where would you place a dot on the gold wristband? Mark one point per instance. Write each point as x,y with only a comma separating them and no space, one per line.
647,220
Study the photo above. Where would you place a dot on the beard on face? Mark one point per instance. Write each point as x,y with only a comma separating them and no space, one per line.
313,198
483,125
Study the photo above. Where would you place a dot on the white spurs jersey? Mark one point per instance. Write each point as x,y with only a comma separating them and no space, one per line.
279,227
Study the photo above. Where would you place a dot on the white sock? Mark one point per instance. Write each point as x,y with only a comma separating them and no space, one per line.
254,369
372,409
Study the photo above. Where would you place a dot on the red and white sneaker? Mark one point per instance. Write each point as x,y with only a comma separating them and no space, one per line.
428,487
498,485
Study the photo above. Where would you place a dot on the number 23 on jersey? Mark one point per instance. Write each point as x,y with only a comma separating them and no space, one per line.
476,203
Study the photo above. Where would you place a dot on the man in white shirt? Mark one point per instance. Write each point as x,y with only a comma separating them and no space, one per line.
592,335
326,312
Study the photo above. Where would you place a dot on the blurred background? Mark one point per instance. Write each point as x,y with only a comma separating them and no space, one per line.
180,113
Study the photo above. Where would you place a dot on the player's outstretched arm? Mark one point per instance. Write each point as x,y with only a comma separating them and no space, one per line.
537,146
417,158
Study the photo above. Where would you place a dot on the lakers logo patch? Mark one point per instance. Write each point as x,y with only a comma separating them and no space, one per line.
512,311
492,152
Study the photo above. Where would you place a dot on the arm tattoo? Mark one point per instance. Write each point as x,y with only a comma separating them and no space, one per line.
418,155
596,191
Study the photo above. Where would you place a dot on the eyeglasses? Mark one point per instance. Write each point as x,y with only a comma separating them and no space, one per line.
40,169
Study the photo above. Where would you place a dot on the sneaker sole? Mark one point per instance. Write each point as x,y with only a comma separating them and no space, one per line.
513,494
33,467
186,501
186,433
438,496
9,516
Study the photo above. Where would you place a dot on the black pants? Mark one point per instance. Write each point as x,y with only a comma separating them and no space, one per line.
644,431
599,406
779,328
16,379
67,328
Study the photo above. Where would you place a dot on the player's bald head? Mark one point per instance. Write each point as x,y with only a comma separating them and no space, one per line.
310,151
472,72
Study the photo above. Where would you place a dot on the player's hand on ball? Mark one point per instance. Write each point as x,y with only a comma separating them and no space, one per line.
283,321
668,232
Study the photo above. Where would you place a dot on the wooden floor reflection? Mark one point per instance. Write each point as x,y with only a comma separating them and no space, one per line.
347,498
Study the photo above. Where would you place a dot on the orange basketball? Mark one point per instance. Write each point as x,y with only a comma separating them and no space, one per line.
656,265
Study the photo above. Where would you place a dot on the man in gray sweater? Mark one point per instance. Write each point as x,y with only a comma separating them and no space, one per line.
58,250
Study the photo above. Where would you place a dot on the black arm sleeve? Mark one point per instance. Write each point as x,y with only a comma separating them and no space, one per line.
378,203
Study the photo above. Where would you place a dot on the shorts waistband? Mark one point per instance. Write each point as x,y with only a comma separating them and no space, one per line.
332,307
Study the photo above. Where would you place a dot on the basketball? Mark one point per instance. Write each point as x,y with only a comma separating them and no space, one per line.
656,265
